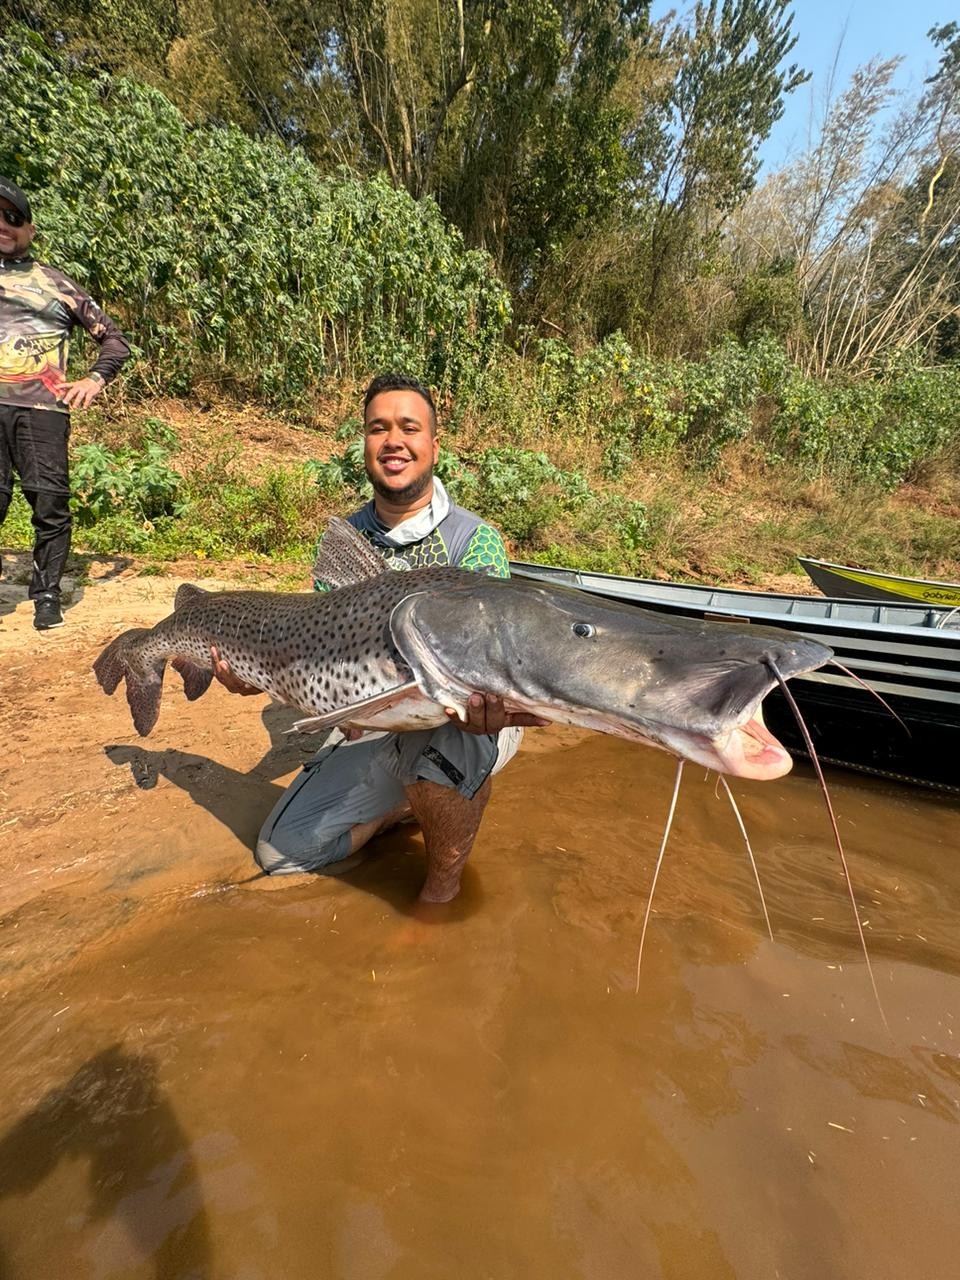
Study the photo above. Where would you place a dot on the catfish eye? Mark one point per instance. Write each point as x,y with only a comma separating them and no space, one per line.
584,630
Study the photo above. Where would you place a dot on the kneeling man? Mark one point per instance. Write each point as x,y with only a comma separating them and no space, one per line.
440,777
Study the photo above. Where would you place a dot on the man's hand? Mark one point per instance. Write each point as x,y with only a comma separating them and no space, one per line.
80,394
224,674
485,714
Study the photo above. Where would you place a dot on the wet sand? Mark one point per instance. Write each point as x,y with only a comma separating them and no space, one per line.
201,1079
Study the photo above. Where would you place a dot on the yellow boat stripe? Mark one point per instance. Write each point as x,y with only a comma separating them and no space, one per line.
926,592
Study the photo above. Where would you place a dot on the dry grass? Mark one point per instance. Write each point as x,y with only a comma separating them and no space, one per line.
743,523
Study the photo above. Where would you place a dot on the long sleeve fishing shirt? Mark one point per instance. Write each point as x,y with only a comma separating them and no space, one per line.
459,538
39,309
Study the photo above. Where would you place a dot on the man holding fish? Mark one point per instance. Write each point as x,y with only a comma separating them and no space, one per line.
439,777
397,651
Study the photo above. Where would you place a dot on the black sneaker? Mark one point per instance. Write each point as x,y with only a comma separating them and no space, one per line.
46,613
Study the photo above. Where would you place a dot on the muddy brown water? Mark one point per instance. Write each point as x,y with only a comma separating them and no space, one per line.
245,1085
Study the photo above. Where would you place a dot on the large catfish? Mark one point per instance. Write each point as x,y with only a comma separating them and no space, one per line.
390,650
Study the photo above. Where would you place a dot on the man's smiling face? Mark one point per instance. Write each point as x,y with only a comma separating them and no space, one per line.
400,445
14,240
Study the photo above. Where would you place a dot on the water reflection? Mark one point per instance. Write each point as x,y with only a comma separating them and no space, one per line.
241,801
142,1181
883,1076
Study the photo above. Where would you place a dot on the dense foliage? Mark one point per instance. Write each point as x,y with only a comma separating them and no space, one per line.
565,483
632,406
283,231
544,131
607,161
223,253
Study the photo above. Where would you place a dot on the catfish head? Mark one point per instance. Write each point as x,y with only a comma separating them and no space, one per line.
690,687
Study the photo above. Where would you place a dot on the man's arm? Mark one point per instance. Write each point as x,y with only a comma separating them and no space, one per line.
114,347
486,553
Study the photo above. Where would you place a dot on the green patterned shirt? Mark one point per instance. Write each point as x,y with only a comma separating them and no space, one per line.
461,538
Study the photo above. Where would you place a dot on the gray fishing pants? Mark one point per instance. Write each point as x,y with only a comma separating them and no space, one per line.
355,782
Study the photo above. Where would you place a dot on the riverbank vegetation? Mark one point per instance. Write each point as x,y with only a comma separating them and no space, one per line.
183,484
646,361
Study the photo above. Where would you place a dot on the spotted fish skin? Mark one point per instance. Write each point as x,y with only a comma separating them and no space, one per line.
386,649
320,652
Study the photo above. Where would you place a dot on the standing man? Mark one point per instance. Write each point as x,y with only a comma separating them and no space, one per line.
39,307
441,777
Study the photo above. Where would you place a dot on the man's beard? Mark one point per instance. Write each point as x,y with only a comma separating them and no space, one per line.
415,489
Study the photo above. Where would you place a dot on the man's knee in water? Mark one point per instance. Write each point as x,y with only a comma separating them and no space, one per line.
277,861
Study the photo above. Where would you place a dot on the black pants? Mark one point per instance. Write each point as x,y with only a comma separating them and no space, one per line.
33,443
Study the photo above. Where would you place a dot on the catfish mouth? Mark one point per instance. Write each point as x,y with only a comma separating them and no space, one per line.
744,750
748,750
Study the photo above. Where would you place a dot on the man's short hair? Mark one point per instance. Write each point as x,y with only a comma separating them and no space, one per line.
399,382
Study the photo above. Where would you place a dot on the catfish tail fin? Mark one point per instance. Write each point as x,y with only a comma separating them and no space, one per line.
111,667
123,659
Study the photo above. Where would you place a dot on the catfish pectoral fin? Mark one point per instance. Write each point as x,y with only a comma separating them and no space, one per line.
312,724
365,708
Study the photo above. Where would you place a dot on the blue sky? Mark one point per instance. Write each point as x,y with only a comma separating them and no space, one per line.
880,27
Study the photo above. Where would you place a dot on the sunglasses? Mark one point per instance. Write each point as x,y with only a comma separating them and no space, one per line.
12,217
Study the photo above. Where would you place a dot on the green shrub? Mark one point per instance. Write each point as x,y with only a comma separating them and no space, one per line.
721,392
17,530
632,524
105,482
341,471
523,492
921,409
869,430
226,254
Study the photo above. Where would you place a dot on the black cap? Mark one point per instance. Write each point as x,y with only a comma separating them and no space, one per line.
10,191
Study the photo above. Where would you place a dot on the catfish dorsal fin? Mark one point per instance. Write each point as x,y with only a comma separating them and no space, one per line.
345,557
188,594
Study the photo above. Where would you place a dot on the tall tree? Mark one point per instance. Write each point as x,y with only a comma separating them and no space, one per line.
868,220
592,153
111,35
505,111
698,158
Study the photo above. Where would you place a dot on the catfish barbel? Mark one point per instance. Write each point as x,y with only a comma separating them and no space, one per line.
388,649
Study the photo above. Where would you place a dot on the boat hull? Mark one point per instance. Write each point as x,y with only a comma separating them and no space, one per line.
844,582
849,733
